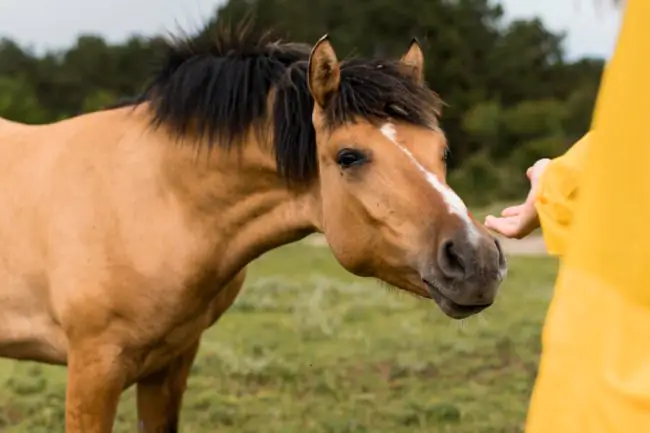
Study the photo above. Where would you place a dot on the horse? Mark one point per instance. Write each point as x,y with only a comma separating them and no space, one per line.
126,232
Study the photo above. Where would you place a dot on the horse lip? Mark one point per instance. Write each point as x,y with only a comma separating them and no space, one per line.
457,309
436,293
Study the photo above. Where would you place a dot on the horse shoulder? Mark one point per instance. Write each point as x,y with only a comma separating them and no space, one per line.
121,248
6,124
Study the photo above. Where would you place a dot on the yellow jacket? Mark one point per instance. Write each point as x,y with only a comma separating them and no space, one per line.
594,375
558,192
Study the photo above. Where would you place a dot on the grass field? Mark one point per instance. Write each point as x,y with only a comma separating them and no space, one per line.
308,348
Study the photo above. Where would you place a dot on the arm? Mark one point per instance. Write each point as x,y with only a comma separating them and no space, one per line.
558,191
550,202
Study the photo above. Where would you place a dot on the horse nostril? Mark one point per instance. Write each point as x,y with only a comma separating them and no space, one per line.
502,257
450,261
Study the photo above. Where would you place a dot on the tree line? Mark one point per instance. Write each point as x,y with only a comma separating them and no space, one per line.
511,94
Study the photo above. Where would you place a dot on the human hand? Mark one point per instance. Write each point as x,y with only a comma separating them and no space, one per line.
519,221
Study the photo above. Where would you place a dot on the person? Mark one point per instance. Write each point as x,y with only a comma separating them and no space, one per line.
593,207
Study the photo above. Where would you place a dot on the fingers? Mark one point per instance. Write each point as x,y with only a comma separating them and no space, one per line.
540,163
509,227
537,168
520,220
512,210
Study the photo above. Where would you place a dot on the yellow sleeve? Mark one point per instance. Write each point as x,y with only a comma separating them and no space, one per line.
558,190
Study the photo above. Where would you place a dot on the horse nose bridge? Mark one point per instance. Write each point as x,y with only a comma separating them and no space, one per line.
468,255
487,256
434,203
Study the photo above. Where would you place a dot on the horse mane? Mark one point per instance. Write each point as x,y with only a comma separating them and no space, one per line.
217,86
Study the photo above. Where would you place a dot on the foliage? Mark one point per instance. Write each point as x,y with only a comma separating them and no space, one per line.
18,101
309,348
511,94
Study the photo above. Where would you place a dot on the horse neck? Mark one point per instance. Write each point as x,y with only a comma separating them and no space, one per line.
239,202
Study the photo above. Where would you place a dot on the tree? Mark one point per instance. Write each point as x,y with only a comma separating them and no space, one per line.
510,92
18,101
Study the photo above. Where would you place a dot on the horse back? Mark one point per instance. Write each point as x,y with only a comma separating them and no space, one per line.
9,125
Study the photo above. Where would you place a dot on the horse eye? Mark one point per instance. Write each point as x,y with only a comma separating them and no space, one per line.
349,157
445,156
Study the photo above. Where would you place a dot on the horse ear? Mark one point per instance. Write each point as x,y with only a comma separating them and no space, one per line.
414,59
324,76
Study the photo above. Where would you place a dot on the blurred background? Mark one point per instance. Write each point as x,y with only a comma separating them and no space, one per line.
307,347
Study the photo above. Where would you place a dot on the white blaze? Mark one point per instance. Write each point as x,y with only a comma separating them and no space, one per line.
454,203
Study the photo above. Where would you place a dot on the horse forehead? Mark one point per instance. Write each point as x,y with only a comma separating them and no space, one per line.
423,139
453,202
424,146
356,130
365,135
413,137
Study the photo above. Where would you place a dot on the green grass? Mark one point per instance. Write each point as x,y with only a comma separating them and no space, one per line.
310,348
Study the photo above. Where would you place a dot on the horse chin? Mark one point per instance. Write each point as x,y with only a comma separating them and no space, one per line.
412,283
452,309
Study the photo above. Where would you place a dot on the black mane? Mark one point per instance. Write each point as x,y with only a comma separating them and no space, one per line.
217,86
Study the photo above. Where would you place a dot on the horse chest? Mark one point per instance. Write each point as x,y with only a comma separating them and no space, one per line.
179,336
27,329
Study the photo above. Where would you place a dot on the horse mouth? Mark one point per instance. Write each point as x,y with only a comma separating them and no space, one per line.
450,307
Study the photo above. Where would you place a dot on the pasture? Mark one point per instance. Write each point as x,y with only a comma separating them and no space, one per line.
309,348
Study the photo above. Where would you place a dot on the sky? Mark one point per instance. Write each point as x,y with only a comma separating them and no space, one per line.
591,26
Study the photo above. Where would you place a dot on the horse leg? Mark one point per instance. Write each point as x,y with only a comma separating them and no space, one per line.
96,377
160,394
